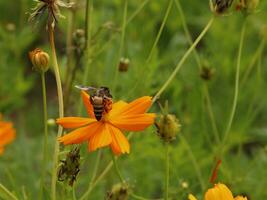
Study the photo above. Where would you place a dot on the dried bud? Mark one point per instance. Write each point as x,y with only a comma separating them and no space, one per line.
118,192
79,41
167,127
220,6
70,167
207,73
124,64
39,59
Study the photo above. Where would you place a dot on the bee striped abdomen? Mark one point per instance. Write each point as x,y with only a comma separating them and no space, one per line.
98,110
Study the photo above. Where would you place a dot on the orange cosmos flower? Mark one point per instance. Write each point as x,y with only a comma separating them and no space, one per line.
218,192
107,131
7,134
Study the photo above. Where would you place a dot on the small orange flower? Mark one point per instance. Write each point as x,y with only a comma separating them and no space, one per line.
7,134
107,131
219,192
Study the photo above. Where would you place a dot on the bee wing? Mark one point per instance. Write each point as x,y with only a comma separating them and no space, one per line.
86,88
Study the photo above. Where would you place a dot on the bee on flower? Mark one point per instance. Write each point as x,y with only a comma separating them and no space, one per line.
7,134
218,192
106,121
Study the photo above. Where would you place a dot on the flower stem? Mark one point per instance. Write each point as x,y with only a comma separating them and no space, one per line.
167,170
236,92
61,110
194,161
125,10
180,64
45,135
199,64
114,159
141,198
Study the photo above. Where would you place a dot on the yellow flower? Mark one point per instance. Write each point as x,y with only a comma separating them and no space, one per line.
7,134
218,192
107,131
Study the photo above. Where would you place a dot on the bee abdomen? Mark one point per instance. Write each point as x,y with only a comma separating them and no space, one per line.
98,110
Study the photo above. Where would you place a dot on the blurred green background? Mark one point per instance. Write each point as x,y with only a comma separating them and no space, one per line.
244,169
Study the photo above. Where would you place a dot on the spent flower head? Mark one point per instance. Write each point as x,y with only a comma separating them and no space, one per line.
52,7
220,6
119,191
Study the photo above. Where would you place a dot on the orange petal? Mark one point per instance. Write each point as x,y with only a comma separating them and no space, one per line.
80,134
74,122
7,134
117,108
119,142
134,122
138,106
100,139
87,103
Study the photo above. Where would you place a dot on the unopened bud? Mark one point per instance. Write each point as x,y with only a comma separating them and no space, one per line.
39,59
51,122
79,41
168,127
207,73
124,64
118,192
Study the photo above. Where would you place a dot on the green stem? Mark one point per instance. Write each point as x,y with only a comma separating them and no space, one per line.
138,10
114,159
125,10
167,170
88,28
141,198
180,64
254,59
94,174
194,162
197,58
6,194
160,31
61,110
45,135
236,91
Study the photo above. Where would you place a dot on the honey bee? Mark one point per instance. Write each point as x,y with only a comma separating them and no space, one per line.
222,5
100,98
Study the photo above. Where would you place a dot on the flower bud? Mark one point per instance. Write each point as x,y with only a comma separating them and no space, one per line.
124,64
39,59
118,192
167,127
79,41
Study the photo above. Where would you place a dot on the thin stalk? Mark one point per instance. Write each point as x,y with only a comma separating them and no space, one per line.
141,198
88,29
61,110
101,176
138,10
254,59
236,90
160,30
114,159
122,39
94,172
198,60
180,64
45,135
194,162
167,170
6,194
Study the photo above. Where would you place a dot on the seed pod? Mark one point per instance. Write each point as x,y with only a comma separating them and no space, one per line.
167,127
40,60
207,73
79,41
118,192
124,64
